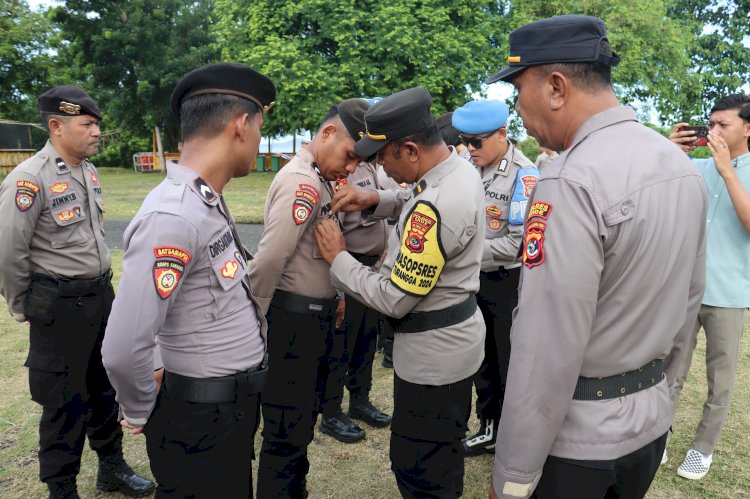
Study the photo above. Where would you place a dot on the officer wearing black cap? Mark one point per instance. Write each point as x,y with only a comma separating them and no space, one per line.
290,279
612,277
185,301
55,274
426,286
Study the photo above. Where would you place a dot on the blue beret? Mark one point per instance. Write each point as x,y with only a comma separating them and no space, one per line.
480,116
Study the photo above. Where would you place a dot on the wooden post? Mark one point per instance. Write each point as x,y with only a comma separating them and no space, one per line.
160,149
294,142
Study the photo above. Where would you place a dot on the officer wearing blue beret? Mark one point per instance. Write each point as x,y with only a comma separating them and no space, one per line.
508,177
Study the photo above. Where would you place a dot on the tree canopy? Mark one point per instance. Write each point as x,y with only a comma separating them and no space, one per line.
678,56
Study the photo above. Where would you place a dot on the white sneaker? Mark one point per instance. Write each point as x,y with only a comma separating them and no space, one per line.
695,466
664,458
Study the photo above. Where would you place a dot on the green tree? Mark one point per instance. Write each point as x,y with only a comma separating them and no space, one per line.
320,51
130,55
24,59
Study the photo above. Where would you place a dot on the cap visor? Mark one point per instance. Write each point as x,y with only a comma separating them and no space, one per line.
505,74
366,147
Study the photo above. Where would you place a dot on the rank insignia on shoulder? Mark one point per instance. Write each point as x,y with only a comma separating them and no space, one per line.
301,211
422,185
421,257
502,166
61,165
169,268
94,180
204,189
533,249
539,210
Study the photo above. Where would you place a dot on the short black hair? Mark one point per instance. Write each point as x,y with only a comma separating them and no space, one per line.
428,136
208,114
332,114
595,75
48,116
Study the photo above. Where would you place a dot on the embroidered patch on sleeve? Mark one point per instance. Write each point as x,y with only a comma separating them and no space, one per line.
301,211
421,257
529,181
539,210
533,249
26,192
169,268
229,269
310,190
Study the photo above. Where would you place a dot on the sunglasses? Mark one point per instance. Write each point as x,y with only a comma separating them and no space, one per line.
476,142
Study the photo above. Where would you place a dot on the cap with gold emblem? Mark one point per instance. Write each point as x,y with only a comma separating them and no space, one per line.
352,114
559,39
68,100
395,117
226,78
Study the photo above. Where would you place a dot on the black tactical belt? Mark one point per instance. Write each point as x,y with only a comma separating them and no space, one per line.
367,260
299,304
76,287
217,390
417,322
620,385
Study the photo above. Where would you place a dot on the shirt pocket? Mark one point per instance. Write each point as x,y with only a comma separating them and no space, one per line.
227,271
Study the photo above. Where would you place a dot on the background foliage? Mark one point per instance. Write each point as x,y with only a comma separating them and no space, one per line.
678,56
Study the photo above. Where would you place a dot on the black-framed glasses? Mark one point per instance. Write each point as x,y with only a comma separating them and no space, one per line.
476,142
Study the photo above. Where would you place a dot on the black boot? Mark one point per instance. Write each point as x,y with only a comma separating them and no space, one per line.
342,428
63,489
363,410
483,440
115,475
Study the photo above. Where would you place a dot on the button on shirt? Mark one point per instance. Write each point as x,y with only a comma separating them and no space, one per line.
728,242
184,282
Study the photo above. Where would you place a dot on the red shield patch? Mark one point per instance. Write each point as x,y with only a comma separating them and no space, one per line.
24,199
529,181
167,274
301,211
533,248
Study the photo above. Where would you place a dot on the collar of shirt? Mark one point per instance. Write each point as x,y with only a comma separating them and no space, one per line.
305,155
742,161
601,120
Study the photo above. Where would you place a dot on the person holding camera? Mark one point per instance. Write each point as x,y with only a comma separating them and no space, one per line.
724,307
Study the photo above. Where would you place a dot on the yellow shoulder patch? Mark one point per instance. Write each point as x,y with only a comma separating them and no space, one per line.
421,257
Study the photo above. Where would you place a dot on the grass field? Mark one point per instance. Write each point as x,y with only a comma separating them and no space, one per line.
362,470
124,190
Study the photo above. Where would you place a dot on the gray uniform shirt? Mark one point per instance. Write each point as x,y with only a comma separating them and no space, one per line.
503,238
614,263
52,224
441,225
288,257
184,282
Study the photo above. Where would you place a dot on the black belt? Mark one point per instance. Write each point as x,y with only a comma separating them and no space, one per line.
496,275
367,260
76,287
416,322
217,390
620,385
299,304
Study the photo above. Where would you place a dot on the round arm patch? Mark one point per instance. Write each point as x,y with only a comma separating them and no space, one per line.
421,257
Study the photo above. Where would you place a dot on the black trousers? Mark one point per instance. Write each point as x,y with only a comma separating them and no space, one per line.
426,431
497,297
290,402
67,378
351,357
202,450
628,477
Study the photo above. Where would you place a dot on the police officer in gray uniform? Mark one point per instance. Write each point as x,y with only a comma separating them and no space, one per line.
185,283
508,178
614,262
427,286
290,277
55,274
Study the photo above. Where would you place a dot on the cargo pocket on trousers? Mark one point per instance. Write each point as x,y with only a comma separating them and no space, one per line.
49,388
40,302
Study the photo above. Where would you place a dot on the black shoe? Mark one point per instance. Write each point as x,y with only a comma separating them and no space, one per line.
365,411
63,489
483,441
342,428
387,361
115,475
